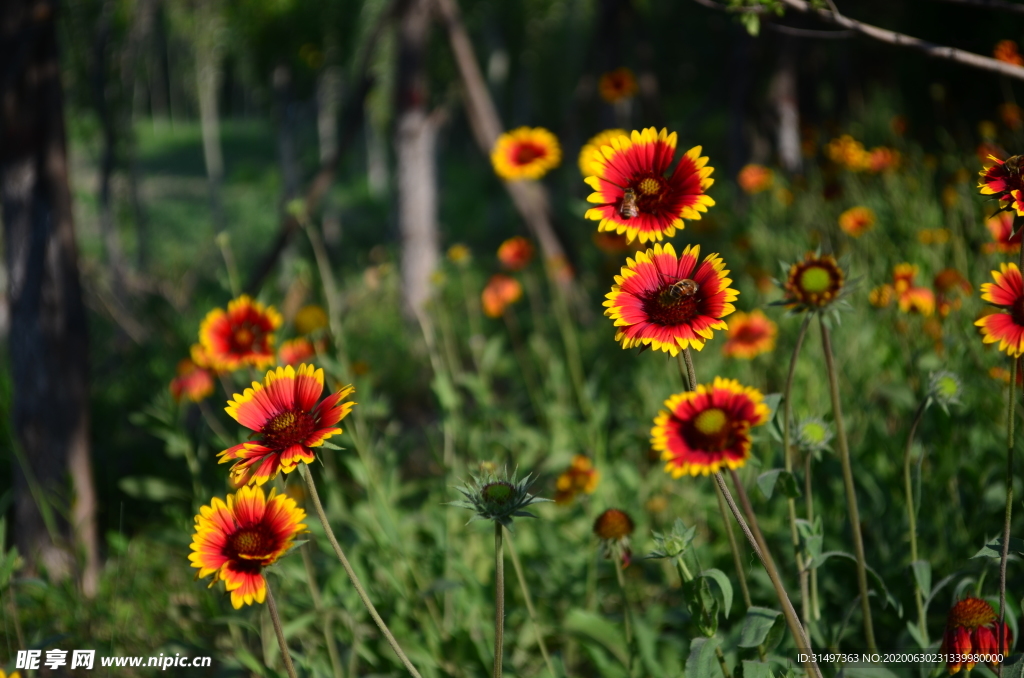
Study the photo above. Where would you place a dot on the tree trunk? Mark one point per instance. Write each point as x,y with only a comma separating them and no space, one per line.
208,29
48,344
783,92
415,137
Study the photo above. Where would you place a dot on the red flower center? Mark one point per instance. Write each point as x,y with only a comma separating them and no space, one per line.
748,334
710,431
250,543
650,190
527,153
1017,311
242,339
670,306
287,429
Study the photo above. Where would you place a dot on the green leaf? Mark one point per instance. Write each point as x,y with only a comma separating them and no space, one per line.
702,662
915,633
702,605
751,22
756,625
723,583
594,626
994,548
331,446
772,400
756,669
777,476
923,575
887,597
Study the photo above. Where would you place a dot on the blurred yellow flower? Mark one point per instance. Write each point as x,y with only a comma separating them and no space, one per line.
310,318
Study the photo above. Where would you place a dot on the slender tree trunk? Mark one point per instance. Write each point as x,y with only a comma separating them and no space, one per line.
208,38
48,344
328,106
787,111
415,137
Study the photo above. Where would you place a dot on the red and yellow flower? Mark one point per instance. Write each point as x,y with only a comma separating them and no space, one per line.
750,335
1000,226
193,382
701,431
525,153
638,164
241,336
911,298
234,541
669,303
972,629
580,477
617,85
501,290
287,421
515,253
949,287
592,149
1007,325
1004,180
755,178
857,221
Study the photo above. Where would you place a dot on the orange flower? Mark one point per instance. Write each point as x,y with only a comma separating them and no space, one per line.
949,286
972,629
633,195
525,153
241,336
581,476
910,297
701,431
515,253
234,541
501,291
755,178
288,422
192,382
613,528
1006,51
295,351
881,158
847,151
1000,225
857,221
617,85
750,335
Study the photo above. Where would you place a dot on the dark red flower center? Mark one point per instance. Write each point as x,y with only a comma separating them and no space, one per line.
668,305
710,431
613,524
1017,311
527,153
748,334
243,338
650,189
287,429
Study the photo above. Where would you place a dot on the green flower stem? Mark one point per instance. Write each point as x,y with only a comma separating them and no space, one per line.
279,630
737,560
308,476
753,534
809,501
620,576
314,593
787,416
499,599
529,607
1010,416
908,488
851,491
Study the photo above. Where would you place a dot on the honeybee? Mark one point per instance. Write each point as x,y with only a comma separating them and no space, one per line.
683,289
1014,165
628,208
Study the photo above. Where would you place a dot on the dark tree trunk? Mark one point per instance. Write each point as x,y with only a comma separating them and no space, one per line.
415,137
783,92
47,343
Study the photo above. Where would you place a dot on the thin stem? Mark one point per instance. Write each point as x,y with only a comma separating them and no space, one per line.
688,357
851,491
741,573
617,560
809,503
787,450
908,488
499,599
279,630
721,662
314,593
753,534
351,573
529,607
1010,417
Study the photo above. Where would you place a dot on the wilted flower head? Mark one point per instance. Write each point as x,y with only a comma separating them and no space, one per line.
498,499
613,528
972,628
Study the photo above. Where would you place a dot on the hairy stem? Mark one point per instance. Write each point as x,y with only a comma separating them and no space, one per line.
809,503
787,450
908,488
356,583
499,599
1010,416
279,630
741,572
851,491
617,560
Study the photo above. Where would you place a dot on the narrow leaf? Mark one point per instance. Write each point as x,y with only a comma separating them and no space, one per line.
702,662
723,583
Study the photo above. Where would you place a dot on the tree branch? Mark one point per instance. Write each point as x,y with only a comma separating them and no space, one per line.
901,40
